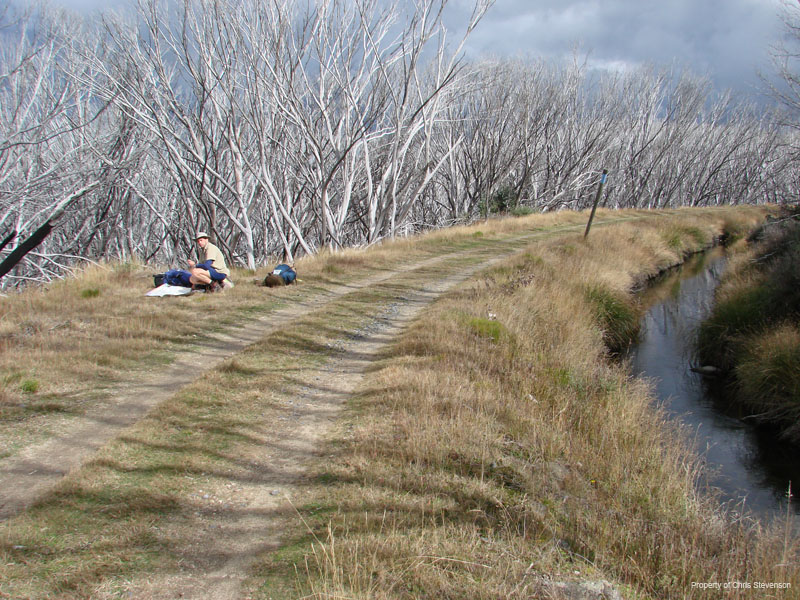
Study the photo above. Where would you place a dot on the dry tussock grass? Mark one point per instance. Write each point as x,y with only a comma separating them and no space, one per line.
740,274
352,262
74,336
768,372
64,343
497,448
480,456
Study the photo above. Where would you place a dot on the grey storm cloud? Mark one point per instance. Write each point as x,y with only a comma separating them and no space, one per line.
727,40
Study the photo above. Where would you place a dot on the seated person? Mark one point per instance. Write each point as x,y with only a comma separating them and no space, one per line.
213,267
202,274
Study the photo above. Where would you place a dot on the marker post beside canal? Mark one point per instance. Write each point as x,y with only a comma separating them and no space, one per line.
596,200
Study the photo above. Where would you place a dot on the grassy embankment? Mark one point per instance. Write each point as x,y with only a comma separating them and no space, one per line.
496,452
65,345
493,446
147,504
753,333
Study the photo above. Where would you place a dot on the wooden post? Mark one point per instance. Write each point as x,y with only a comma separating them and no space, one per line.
596,200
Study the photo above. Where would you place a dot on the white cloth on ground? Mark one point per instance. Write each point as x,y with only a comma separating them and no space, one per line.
166,289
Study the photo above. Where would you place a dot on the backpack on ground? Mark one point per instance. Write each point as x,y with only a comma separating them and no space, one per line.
281,275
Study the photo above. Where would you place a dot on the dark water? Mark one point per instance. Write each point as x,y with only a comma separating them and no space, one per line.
749,465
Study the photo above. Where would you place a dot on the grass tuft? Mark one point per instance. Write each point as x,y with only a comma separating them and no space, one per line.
29,386
738,313
769,376
616,316
487,328
235,367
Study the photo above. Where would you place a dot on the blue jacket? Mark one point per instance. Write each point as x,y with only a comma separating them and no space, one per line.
286,272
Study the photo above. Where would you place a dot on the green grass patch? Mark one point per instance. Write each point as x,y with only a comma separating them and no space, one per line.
674,240
739,314
488,329
615,315
522,211
768,375
698,236
29,386
773,369
276,575
683,238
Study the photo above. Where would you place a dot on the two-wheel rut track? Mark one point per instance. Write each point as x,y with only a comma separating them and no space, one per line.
308,413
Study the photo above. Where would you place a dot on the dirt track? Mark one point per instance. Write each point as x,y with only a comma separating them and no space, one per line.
27,475
226,543
308,417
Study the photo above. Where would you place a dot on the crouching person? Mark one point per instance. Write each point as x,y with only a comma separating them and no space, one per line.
204,275
212,271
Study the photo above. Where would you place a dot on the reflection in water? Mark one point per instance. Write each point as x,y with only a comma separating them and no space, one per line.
748,464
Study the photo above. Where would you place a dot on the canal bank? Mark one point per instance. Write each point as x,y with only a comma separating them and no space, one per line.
496,452
753,332
748,464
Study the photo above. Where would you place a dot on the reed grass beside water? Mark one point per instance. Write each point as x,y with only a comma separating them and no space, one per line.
753,333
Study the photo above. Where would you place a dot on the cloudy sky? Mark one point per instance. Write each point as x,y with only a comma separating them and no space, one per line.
727,40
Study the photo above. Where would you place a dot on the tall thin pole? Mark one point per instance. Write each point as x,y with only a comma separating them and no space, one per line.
596,200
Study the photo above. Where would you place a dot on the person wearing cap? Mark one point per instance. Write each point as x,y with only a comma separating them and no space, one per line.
213,267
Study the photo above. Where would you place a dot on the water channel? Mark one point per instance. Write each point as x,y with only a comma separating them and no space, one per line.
750,466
